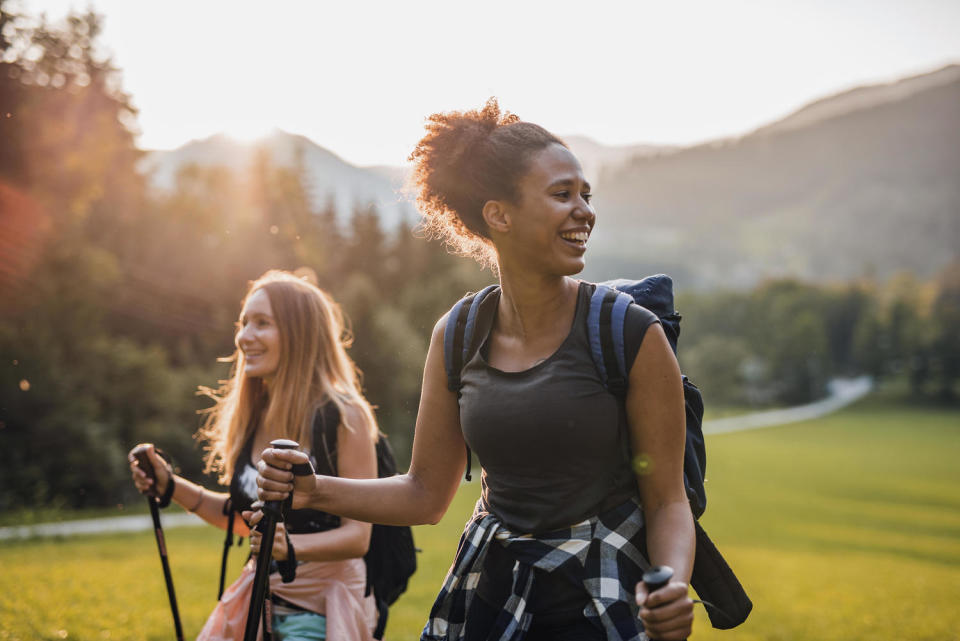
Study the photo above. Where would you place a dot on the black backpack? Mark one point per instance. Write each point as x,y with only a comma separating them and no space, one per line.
712,578
391,558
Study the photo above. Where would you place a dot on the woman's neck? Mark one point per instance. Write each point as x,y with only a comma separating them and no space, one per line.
531,304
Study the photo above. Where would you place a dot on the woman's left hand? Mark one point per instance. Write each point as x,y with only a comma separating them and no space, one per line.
275,480
280,549
667,614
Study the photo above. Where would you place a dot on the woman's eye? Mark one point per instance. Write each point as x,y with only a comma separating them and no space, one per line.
586,197
563,195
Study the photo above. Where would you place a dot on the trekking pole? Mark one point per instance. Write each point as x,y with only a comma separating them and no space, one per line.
272,513
139,454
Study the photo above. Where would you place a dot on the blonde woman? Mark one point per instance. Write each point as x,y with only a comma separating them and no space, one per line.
290,370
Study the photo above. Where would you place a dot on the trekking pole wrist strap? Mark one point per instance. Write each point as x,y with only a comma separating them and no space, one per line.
164,499
288,567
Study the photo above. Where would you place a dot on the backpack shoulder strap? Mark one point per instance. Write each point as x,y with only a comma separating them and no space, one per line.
326,420
459,334
605,321
458,337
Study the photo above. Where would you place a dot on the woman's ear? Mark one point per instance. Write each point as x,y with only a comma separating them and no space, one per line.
496,216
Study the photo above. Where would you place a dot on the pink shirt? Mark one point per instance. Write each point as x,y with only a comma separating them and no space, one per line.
333,588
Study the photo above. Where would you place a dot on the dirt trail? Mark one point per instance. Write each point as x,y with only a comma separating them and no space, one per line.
842,392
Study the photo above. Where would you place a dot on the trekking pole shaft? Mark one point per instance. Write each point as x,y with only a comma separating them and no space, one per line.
162,547
267,528
272,513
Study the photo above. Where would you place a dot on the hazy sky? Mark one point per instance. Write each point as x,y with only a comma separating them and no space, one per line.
359,77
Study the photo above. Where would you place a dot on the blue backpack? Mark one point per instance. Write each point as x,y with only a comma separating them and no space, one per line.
605,323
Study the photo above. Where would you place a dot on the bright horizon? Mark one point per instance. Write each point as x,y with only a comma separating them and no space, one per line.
360,79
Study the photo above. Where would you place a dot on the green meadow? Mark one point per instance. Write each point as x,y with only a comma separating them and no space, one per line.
846,527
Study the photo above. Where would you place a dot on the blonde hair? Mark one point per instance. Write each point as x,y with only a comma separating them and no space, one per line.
314,368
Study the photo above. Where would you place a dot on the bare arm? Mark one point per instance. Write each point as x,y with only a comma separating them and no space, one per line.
192,497
422,495
655,411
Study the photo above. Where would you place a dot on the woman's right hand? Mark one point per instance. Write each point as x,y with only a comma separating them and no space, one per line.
667,613
275,481
162,471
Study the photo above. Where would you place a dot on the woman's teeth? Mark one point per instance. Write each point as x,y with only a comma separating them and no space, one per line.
575,236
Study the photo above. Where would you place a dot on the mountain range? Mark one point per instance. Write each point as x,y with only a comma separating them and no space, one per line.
862,183
329,178
865,183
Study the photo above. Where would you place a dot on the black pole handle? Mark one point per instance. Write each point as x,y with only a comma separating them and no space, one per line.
277,508
657,577
272,513
139,454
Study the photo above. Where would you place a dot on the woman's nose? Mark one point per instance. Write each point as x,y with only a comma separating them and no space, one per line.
585,213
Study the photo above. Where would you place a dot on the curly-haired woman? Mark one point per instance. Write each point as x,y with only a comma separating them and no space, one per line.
553,549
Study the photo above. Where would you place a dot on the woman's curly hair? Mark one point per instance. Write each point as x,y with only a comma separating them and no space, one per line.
465,159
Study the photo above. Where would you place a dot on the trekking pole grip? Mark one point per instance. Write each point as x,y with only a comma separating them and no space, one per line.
657,577
139,454
277,508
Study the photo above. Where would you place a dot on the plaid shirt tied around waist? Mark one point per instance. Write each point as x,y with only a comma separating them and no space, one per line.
599,552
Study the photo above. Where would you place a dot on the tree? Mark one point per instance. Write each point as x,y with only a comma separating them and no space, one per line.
945,343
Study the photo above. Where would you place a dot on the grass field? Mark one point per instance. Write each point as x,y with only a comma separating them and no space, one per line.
847,527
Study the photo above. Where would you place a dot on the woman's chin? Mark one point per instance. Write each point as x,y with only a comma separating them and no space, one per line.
571,268
256,372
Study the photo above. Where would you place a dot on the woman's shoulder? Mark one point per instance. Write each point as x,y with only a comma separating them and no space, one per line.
355,414
639,317
350,414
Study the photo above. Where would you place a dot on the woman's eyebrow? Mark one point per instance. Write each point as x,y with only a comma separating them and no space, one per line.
567,182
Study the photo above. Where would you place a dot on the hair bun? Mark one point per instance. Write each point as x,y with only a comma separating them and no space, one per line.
465,159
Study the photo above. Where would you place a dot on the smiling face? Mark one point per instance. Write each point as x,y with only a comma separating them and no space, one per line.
258,337
549,225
